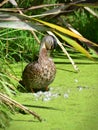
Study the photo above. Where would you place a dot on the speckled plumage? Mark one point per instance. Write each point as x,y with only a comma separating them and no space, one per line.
39,74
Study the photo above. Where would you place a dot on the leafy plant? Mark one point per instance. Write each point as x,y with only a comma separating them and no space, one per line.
17,44
4,115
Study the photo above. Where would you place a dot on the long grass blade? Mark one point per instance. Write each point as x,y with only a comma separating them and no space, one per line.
74,44
65,31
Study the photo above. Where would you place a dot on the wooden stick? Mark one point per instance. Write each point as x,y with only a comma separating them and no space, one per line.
4,98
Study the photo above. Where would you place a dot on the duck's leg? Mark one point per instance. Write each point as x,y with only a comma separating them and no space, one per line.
47,88
31,89
41,89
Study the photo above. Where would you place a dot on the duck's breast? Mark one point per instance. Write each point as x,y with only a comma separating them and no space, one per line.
39,75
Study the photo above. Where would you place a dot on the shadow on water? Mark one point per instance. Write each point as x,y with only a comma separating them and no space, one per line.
43,107
22,120
84,63
35,106
75,56
72,71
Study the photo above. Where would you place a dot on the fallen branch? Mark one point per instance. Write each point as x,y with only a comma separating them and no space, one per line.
4,98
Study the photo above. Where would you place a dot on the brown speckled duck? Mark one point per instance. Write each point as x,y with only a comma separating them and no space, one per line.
39,74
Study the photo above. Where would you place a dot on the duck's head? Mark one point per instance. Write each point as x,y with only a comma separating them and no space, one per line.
49,42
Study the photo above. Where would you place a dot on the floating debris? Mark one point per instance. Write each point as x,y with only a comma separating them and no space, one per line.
45,96
46,99
76,80
66,95
68,90
80,88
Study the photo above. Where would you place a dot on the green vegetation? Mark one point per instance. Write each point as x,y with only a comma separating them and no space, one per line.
86,24
17,45
13,49
73,104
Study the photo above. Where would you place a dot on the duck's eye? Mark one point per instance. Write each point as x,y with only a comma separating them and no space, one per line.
52,46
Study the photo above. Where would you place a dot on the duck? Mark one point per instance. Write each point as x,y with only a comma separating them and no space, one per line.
39,74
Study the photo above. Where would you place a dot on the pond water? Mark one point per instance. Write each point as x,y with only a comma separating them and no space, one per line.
71,103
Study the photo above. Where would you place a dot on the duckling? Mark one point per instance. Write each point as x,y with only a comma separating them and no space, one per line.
38,75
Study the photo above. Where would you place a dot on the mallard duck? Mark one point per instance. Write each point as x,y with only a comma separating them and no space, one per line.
39,74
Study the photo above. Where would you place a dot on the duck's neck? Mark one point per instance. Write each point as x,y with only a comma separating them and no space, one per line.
43,54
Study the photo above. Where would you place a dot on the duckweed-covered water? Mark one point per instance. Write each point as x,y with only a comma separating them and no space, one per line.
71,103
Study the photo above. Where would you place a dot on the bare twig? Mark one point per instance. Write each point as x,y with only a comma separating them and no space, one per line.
35,37
43,6
3,2
91,11
10,9
24,10
4,98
